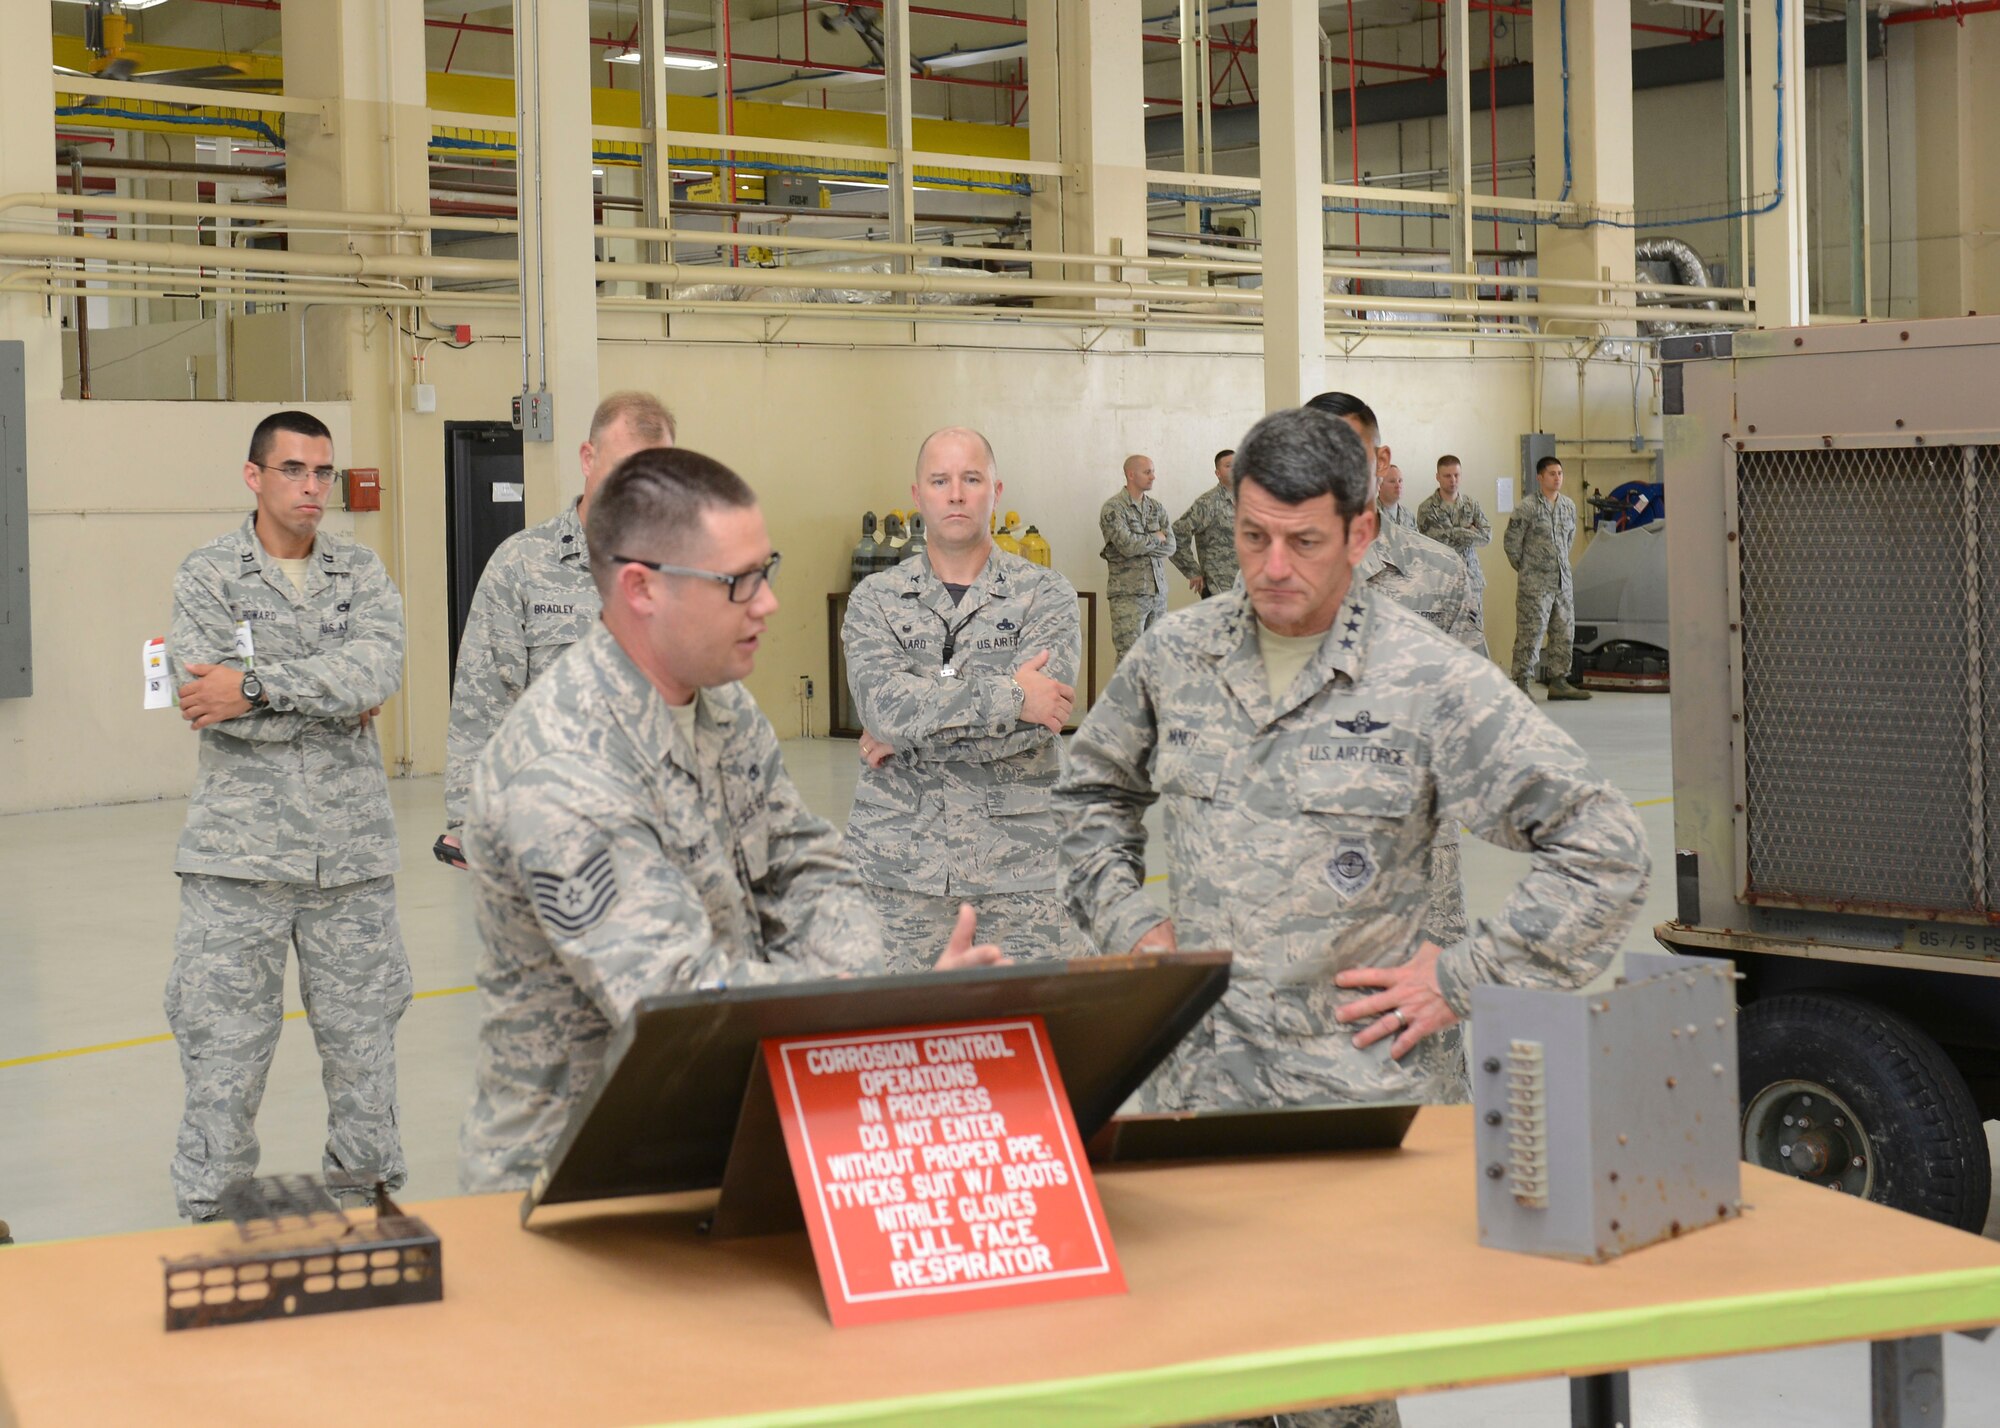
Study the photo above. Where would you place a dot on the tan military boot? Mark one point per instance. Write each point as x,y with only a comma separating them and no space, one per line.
1563,689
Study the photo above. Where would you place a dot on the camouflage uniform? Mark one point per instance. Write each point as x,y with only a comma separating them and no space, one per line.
289,842
1421,575
1205,540
960,812
1296,832
1539,536
1396,515
535,600
612,862
1463,526
1136,586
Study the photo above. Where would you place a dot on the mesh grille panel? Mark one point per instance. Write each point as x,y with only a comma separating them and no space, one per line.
1986,462
1857,719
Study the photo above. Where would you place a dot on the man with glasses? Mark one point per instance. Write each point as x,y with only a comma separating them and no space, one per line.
962,663
535,597
285,642
631,829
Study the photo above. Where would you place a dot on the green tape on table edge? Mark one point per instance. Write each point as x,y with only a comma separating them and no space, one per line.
1361,1370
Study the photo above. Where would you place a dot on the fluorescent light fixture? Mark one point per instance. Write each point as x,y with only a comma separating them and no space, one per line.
670,61
597,173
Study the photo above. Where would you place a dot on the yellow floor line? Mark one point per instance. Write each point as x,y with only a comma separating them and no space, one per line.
1653,802
169,1036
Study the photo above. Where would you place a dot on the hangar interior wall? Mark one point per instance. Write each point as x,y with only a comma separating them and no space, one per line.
121,491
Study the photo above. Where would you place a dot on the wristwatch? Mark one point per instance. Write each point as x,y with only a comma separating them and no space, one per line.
253,690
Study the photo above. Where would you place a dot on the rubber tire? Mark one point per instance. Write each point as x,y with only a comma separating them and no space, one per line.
1923,1126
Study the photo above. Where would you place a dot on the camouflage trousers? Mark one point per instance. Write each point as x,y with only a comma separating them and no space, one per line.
1026,925
1544,610
1132,616
1353,1415
225,1004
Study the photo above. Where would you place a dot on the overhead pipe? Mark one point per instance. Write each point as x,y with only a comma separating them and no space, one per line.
251,212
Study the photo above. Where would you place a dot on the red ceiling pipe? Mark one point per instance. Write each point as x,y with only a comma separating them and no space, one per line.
1955,12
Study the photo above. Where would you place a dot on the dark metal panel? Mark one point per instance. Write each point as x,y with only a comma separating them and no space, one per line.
664,1111
16,646
479,457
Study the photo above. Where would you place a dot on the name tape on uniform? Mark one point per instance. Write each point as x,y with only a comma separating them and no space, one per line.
940,1170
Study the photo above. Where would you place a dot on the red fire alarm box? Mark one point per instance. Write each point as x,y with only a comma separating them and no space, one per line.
364,488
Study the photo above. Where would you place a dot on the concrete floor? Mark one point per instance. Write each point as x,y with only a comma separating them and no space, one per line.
90,1086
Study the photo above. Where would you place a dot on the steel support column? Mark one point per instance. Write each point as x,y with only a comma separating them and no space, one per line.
1045,133
559,253
1103,130
1735,64
1780,253
1958,166
901,137
656,179
1860,253
1458,129
1583,136
27,156
1289,143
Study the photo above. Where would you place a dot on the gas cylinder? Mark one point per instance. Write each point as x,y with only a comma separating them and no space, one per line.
917,542
1035,547
861,564
894,540
1005,537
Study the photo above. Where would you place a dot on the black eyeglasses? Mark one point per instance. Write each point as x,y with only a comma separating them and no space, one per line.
298,471
742,588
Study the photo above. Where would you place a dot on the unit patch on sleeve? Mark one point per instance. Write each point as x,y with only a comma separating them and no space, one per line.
569,906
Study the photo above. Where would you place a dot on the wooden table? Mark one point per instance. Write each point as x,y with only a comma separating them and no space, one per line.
1253,1287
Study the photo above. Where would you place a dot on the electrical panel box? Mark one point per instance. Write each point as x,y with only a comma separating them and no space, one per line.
1607,1120
364,488
16,663
792,190
535,416
1534,446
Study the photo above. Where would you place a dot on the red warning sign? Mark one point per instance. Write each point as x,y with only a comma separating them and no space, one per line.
940,1170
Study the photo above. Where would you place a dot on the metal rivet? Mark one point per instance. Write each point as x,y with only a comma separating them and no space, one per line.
1671,1083
1899,423
1856,1162
1798,342
1622,1139
1492,1064
1614,1177
1495,1170
1717,1068
1904,336
1614,1227
1493,1118
1752,428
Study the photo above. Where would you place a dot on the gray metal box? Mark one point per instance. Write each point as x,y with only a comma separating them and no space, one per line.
16,652
1607,1120
1534,446
792,190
